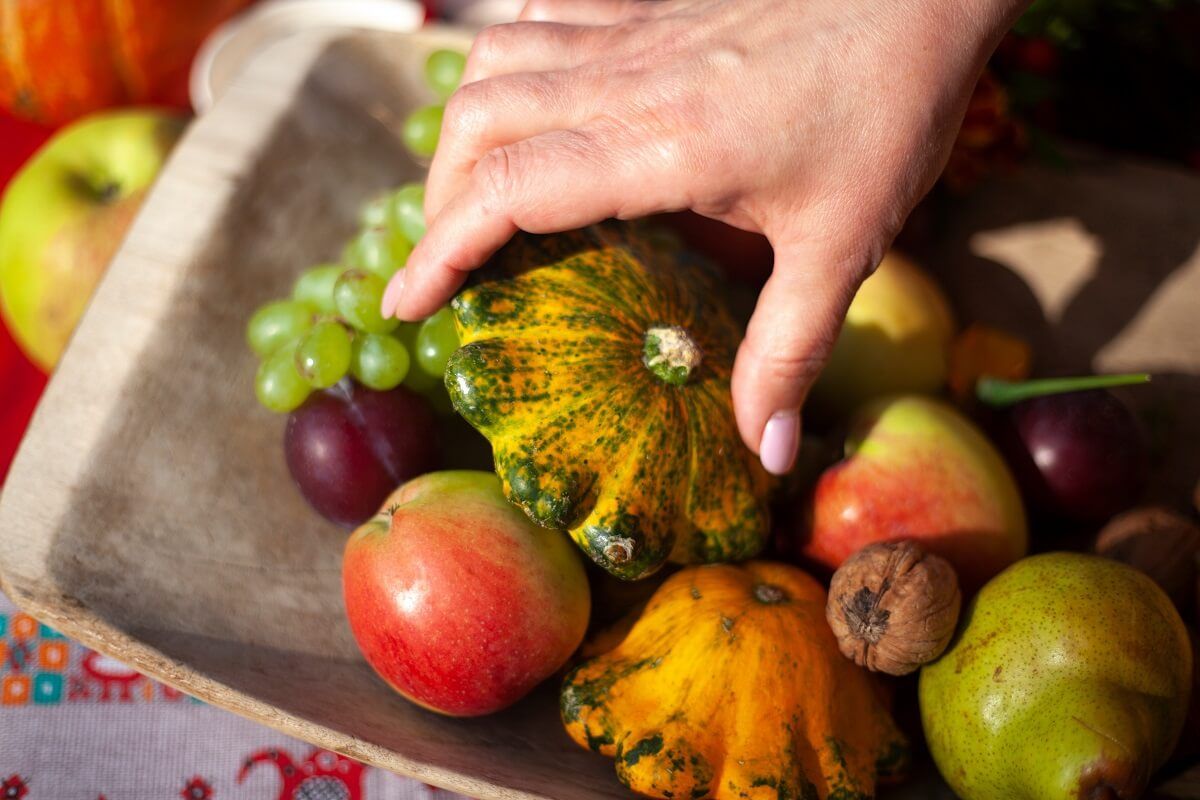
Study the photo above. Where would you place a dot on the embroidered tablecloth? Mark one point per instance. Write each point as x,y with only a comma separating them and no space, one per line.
76,725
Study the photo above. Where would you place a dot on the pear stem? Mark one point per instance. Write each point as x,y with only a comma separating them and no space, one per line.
1000,393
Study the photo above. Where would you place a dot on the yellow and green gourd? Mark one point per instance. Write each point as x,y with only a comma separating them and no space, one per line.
598,366
730,685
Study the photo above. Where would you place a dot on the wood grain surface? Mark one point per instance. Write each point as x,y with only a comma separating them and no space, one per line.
149,513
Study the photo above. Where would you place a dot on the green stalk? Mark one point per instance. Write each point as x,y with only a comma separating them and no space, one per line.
1000,393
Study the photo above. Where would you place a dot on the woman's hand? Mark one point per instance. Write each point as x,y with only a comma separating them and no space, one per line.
819,123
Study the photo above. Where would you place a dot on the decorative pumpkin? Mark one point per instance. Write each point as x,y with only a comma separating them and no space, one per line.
60,60
598,366
730,685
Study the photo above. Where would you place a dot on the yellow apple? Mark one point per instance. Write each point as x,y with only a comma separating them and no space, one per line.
896,339
65,213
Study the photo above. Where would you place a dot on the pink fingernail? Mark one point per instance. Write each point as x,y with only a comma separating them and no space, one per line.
780,442
392,294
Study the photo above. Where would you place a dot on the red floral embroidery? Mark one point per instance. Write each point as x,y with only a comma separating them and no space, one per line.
13,788
322,774
197,789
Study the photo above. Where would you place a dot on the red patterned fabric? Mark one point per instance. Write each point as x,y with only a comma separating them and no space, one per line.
76,724
20,382
22,385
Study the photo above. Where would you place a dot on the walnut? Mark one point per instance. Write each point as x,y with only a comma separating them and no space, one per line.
1160,543
893,607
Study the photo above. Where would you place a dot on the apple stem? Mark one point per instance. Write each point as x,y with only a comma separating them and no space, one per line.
999,393
108,191
1103,792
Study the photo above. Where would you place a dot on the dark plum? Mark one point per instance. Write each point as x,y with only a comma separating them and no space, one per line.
348,447
1079,455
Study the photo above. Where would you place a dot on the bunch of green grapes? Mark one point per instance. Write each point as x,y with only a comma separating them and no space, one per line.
443,73
331,326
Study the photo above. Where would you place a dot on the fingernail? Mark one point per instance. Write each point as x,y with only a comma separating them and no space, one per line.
780,442
391,295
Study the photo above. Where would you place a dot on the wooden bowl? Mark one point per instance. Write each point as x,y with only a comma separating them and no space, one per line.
149,513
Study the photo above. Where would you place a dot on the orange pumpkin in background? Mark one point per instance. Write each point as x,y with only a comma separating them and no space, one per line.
60,60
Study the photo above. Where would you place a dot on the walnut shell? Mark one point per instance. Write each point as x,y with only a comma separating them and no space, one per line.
1160,543
893,607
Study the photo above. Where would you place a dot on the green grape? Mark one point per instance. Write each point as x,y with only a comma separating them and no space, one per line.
276,324
436,340
418,379
374,213
444,71
358,295
400,248
378,251
323,356
422,382
421,130
278,385
380,361
315,287
367,250
408,211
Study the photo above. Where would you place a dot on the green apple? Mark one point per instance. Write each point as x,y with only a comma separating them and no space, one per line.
1069,679
896,339
65,213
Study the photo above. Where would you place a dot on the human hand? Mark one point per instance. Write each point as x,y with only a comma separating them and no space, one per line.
818,123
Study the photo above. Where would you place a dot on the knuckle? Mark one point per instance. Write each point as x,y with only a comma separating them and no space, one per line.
785,359
671,153
670,133
467,115
545,94
793,368
496,175
489,46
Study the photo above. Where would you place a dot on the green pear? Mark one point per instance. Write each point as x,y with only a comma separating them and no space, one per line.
1069,678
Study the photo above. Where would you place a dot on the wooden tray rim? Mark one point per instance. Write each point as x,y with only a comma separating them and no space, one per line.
55,451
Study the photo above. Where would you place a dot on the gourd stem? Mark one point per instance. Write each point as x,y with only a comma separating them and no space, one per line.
1000,393
769,593
671,354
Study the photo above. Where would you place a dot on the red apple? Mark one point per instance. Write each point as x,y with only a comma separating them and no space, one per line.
917,469
457,600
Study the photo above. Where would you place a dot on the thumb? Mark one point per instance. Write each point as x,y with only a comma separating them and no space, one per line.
788,340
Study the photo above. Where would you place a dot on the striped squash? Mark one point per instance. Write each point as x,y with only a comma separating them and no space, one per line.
731,685
597,363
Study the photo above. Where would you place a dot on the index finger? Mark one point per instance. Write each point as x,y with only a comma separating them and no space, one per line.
556,181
